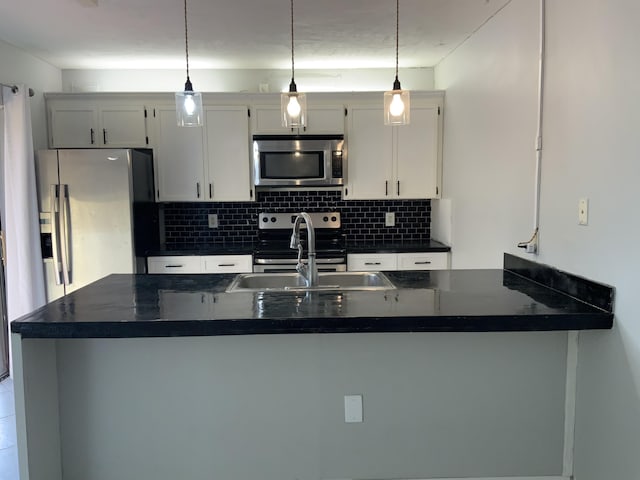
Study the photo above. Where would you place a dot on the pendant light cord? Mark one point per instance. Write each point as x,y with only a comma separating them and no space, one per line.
186,37
292,62
397,32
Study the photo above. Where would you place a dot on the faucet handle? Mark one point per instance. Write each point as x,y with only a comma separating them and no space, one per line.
294,242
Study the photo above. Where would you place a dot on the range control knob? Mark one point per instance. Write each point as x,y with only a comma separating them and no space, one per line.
265,219
325,219
334,218
273,219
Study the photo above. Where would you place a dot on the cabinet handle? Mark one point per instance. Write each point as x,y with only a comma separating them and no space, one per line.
398,187
198,189
372,263
226,264
173,266
422,263
93,137
211,190
386,188
104,135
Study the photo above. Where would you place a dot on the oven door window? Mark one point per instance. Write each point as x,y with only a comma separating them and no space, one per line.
291,165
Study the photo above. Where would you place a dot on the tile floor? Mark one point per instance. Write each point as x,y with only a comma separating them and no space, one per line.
8,448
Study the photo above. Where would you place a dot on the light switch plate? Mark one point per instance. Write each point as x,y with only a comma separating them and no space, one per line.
353,408
583,211
213,220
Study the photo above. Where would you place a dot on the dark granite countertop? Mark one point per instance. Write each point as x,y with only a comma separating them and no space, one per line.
427,246
196,305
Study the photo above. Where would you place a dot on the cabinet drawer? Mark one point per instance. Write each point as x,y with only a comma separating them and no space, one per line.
363,262
423,261
174,264
227,263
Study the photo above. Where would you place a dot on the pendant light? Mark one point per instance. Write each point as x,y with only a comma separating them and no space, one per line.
293,105
396,101
188,103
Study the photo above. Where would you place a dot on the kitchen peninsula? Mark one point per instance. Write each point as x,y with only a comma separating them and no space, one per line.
150,376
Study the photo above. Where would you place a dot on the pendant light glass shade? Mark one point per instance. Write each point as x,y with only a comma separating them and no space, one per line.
397,102
397,106
293,104
188,102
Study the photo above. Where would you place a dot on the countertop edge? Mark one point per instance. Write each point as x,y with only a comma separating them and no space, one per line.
195,328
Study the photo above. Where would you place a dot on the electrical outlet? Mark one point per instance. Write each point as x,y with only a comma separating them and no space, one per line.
213,220
353,408
390,219
583,211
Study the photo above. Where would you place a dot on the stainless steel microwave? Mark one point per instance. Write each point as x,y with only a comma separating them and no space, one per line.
299,160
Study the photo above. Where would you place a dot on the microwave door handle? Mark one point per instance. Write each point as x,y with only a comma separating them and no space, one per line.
55,234
66,234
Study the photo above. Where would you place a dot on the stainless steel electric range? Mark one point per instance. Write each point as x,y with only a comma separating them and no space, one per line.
273,254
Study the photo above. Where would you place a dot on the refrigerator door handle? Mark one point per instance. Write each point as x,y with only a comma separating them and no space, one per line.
54,192
66,234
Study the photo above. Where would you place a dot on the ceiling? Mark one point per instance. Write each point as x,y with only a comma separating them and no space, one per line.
239,34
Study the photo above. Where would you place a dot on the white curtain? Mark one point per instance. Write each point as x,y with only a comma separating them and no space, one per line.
24,271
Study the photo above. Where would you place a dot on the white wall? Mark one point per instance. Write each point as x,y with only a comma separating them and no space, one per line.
17,67
247,80
592,150
592,101
489,133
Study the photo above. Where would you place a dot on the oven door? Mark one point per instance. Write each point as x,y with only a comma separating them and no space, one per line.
291,267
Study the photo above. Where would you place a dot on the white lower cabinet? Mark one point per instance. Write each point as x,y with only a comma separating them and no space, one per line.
227,264
174,264
367,262
423,261
200,264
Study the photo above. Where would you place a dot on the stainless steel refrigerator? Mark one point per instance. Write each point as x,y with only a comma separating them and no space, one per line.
97,214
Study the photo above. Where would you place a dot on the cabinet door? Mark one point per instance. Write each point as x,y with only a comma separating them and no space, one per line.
227,264
123,126
321,120
416,146
371,262
267,121
325,120
370,158
229,170
74,126
179,159
174,264
423,261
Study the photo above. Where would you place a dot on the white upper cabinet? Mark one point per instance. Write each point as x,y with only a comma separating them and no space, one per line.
123,126
321,120
399,162
86,124
369,155
179,156
228,167
203,164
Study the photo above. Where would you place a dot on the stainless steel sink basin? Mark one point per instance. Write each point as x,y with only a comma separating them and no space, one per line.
294,282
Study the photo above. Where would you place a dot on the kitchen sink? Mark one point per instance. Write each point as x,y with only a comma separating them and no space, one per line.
294,282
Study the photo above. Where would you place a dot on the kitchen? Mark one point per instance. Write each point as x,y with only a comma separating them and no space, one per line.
488,186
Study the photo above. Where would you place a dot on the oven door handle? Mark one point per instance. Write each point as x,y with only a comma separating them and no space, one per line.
293,261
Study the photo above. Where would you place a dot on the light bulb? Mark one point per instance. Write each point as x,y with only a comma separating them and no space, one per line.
293,107
396,108
189,104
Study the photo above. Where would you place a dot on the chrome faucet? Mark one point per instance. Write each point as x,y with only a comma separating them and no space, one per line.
309,271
